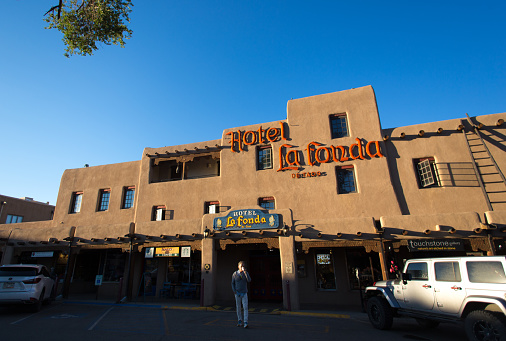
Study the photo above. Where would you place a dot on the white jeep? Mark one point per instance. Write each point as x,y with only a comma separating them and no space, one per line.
433,290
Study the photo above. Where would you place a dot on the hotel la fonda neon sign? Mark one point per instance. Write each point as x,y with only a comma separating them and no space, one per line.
315,153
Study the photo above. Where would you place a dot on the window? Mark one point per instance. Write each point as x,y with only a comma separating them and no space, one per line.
447,271
485,272
103,201
418,271
158,213
128,197
345,180
427,172
338,126
114,266
325,278
212,207
264,157
75,206
13,219
363,268
267,203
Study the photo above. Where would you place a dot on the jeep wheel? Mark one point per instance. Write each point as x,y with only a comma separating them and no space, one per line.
483,325
379,312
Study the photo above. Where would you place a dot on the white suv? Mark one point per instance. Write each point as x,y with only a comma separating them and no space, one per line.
25,284
432,290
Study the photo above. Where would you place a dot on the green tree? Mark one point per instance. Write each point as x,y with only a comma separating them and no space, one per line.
84,23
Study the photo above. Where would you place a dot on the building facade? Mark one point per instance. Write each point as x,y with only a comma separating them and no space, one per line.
319,205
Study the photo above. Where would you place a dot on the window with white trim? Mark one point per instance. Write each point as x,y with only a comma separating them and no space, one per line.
158,213
264,157
428,175
75,205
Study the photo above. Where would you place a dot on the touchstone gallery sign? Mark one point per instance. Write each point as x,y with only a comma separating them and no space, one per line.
415,245
246,220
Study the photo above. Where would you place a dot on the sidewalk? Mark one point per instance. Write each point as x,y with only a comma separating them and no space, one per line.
254,308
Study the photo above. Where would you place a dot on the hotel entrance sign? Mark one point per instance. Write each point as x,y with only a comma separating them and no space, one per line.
246,220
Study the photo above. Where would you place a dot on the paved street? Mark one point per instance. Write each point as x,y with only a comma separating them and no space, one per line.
71,321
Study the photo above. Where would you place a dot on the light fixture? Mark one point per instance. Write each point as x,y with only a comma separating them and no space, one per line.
206,233
285,230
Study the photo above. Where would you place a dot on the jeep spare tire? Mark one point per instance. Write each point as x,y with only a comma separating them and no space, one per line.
380,313
483,325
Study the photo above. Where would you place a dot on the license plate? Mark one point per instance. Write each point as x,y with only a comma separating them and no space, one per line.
8,285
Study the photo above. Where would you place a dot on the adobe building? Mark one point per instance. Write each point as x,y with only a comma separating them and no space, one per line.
319,205
15,210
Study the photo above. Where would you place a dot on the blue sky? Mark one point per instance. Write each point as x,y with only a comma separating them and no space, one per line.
194,68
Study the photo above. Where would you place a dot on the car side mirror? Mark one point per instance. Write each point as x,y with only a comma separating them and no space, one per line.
405,277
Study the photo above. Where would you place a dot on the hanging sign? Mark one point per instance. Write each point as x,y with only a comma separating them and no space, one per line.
42,254
149,252
246,220
186,251
167,251
415,245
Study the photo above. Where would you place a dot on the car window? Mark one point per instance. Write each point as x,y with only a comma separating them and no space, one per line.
485,272
45,272
447,271
21,271
418,271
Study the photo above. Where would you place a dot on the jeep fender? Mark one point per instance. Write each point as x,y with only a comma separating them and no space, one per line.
482,301
385,292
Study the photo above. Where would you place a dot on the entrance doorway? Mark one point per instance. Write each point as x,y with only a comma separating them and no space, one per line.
265,271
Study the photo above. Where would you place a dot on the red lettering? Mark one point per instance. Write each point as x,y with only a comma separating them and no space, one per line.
261,135
360,151
233,140
287,159
322,150
368,149
272,134
252,140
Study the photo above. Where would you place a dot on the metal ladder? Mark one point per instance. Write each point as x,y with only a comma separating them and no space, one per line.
490,176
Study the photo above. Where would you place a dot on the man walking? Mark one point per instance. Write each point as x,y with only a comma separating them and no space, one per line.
240,280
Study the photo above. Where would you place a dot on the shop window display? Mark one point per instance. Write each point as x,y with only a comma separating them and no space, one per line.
363,268
325,276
